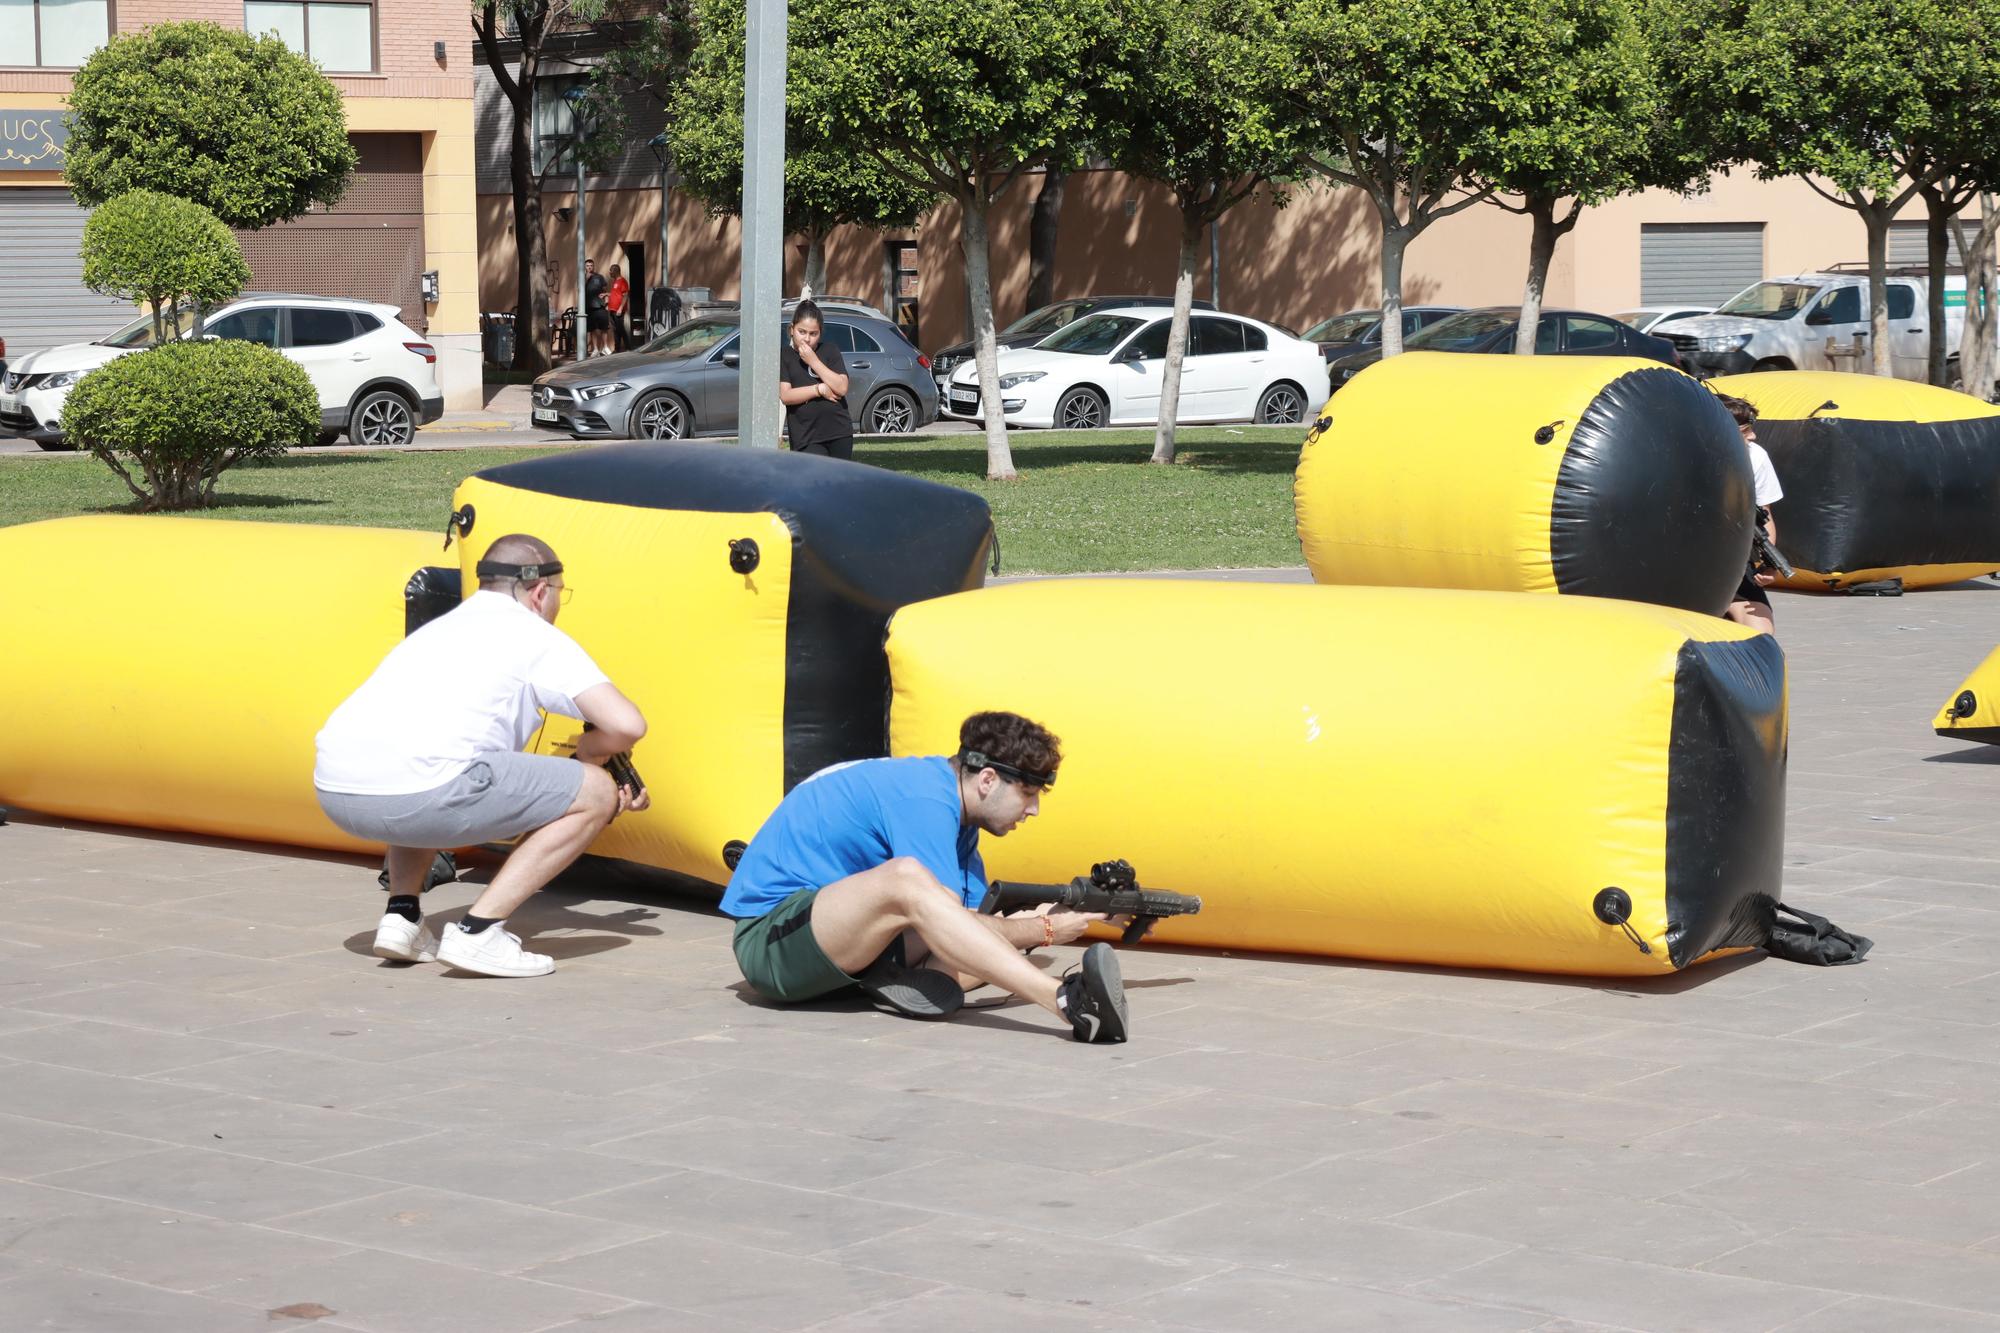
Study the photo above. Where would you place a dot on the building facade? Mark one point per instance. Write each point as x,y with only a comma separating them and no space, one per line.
402,72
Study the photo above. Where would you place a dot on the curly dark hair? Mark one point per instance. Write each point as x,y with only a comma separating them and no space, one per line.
1013,740
1742,409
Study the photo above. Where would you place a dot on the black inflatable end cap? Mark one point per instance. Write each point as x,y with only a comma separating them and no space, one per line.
732,852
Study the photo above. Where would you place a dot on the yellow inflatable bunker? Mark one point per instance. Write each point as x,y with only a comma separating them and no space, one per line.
1973,713
172,672
1455,778
1604,476
740,597
1884,479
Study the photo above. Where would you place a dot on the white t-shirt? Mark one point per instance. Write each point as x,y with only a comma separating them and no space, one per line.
472,681
1764,477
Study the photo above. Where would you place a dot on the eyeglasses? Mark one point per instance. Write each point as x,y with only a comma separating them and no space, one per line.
563,593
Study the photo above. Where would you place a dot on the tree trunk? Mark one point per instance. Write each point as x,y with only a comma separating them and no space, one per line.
1192,230
986,347
1541,251
1937,238
1042,230
1877,220
531,281
1976,353
1395,239
815,279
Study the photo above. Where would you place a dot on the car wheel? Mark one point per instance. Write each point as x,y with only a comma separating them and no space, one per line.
890,412
660,415
382,417
1081,409
1283,404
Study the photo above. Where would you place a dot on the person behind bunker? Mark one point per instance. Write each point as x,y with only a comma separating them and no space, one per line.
1750,605
868,874
427,755
812,384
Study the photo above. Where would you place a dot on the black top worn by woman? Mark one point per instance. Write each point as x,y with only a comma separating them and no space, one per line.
819,425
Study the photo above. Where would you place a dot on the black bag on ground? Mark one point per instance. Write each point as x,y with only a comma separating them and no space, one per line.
443,871
1813,939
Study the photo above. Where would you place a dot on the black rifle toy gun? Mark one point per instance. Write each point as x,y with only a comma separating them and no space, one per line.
1765,557
1112,887
619,766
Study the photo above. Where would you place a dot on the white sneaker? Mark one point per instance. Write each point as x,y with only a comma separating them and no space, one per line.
404,940
493,952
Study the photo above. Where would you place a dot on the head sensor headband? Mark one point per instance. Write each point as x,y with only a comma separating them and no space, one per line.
499,569
972,761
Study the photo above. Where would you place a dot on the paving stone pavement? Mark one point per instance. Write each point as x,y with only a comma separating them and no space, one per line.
217,1112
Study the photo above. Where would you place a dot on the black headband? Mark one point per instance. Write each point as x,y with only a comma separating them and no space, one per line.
499,569
973,761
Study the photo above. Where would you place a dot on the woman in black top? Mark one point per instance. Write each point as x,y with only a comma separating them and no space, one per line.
812,384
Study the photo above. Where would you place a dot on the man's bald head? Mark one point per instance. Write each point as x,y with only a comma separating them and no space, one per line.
516,548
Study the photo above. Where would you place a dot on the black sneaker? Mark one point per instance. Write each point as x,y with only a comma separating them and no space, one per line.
913,992
1093,996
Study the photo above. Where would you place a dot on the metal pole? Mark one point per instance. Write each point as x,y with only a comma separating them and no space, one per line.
757,407
582,299
666,200
1215,261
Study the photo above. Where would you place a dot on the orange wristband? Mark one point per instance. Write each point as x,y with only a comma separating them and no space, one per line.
1048,932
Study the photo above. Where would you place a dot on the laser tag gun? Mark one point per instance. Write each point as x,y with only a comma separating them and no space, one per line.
1112,888
619,766
1765,557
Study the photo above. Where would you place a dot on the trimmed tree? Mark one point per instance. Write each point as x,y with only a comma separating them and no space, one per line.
824,189
180,414
248,129
1961,151
959,97
1842,96
1200,107
167,253
1403,99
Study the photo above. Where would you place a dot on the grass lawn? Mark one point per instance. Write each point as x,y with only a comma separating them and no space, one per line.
1086,501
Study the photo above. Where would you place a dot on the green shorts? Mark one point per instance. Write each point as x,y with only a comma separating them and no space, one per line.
780,957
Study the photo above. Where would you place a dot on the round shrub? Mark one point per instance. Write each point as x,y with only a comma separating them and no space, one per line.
160,251
180,414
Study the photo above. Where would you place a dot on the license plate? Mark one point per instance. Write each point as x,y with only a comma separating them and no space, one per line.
547,414
8,402
961,402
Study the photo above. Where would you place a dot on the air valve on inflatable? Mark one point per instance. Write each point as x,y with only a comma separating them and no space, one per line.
1965,705
743,554
460,523
1613,907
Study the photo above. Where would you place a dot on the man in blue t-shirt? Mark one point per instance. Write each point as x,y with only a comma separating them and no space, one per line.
869,874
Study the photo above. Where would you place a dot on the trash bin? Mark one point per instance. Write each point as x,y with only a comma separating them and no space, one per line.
498,333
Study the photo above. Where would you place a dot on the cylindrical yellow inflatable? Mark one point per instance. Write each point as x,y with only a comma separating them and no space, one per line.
1883,478
1422,776
172,672
1602,476
1973,711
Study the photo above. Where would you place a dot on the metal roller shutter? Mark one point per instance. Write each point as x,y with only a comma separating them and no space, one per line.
369,246
1910,246
1702,263
43,302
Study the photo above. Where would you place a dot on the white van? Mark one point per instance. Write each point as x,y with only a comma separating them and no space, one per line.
1817,321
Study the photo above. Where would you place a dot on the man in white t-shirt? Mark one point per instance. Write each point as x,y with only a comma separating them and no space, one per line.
1751,606
427,755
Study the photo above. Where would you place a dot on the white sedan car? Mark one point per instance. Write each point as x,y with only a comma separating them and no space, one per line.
1105,370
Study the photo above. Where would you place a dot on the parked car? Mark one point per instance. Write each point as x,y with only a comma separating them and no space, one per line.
1644,317
1491,329
376,376
1036,325
1105,370
685,382
1360,329
1798,322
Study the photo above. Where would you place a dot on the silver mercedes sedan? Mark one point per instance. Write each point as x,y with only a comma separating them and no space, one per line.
684,383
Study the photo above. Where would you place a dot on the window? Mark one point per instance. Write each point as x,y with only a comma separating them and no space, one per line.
364,323
1253,338
316,327
840,337
339,37
1215,337
1839,306
1902,301
555,127
864,343
251,326
1150,345
1545,336
60,33
1590,335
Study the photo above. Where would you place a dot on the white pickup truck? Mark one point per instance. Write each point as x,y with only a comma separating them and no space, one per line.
1816,321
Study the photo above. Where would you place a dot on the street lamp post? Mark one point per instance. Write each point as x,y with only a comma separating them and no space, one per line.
658,145
763,222
576,97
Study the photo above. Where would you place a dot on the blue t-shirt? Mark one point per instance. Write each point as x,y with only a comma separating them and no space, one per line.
853,817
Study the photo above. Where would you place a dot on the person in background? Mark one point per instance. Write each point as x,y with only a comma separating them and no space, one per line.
1751,605
812,384
615,300
595,315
